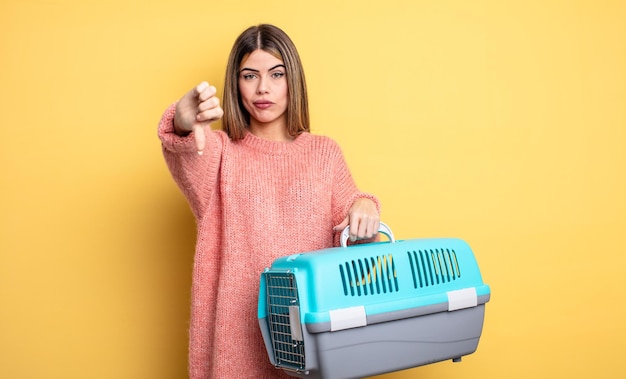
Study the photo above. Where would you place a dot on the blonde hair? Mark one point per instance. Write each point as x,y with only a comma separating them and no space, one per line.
273,40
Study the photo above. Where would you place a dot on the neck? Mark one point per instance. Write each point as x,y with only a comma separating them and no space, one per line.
274,131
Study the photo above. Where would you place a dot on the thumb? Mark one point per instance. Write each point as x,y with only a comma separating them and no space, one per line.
198,133
343,224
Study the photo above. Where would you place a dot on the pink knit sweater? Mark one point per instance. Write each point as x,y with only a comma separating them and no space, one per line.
254,200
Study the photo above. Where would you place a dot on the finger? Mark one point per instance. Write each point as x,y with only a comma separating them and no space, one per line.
198,131
210,115
205,91
200,88
210,103
342,225
374,228
354,228
362,230
371,228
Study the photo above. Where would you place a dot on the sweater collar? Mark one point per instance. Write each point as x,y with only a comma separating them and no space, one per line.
275,147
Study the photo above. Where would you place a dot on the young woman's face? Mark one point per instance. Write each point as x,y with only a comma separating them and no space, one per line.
263,89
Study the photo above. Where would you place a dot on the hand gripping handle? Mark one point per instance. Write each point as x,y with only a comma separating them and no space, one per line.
383,228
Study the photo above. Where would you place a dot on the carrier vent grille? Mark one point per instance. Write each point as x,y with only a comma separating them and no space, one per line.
282,298
369,276
432,267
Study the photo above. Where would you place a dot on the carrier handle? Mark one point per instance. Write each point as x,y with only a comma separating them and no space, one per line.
383,228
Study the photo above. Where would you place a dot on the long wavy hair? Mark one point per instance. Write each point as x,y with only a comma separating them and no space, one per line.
273,40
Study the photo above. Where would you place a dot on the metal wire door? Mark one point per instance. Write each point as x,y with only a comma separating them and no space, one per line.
284,321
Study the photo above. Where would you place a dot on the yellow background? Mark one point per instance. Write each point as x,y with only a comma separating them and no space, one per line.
499,122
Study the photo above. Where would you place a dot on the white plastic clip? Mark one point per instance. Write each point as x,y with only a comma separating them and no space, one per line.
347,318
460,299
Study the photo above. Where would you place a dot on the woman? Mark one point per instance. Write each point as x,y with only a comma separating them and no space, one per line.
261,188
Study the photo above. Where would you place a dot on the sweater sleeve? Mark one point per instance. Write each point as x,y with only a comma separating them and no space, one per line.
345,192
196,175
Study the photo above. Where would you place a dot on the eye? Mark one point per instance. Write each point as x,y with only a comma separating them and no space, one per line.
278,74
248,76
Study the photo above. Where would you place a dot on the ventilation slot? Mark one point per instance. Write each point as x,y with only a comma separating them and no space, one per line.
432,267
282,302
369,276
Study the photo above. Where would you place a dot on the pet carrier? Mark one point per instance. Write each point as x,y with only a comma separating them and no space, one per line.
369,309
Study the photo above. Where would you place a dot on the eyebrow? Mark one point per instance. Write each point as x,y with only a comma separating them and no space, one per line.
251,69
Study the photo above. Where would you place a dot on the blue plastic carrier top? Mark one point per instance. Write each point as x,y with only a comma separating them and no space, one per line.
347,287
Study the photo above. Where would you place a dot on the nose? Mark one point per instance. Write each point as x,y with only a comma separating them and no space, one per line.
262,87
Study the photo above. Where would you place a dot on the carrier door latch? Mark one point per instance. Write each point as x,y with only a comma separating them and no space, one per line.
460,299
294,323
347,318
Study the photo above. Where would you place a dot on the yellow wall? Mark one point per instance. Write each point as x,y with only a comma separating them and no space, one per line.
500,122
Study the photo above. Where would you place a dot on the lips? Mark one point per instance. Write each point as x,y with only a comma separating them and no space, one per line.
263,104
